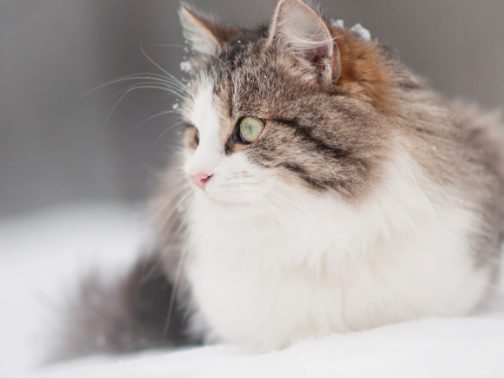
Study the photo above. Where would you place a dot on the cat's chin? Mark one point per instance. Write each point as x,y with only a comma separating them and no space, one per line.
231,208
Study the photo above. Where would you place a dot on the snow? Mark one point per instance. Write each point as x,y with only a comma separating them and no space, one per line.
357,28
338,24
43,254
186,66
361,31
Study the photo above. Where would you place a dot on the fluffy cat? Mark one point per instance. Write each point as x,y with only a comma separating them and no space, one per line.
324,188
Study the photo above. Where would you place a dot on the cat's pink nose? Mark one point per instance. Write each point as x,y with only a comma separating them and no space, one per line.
200,179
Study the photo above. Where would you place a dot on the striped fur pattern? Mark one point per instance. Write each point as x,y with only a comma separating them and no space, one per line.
367,199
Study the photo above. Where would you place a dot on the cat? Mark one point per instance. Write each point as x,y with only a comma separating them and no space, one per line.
321,187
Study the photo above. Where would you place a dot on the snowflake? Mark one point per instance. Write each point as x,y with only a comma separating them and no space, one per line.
361,32
186,66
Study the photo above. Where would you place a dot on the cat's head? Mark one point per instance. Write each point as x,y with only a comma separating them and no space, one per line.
299,106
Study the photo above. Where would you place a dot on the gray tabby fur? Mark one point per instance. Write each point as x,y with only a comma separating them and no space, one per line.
319,137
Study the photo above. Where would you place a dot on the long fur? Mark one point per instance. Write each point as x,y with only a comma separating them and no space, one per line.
135,313
367,199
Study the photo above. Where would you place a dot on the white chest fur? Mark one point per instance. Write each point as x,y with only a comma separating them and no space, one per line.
269,284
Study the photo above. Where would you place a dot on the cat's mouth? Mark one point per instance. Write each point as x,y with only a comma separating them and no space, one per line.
227,202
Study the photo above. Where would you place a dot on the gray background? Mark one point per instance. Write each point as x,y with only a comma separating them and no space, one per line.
54,146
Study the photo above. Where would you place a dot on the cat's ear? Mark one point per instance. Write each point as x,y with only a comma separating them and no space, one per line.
299,30
203,34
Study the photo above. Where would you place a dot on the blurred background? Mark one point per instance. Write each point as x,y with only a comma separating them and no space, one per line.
56,147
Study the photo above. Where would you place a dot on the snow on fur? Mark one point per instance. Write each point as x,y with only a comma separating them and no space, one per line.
361,32
186,66
338,24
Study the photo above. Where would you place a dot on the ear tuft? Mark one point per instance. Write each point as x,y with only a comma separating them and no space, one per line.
197,31
297,29
204,34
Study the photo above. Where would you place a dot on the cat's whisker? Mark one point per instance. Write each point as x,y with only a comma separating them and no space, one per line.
167,201
133,89
168,45
146,75
160,68
136,77
165,131
176,282
167,249
234,183
173,193
175,234
155,116
167,83
174,174
153,74
175,208
153,85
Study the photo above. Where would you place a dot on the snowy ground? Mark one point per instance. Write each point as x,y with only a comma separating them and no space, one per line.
42,255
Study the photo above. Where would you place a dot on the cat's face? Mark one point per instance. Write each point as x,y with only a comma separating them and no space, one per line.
269,117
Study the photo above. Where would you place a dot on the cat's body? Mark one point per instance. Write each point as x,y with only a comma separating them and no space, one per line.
364,199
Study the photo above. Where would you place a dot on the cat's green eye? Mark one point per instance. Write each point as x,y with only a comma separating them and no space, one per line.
250,129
